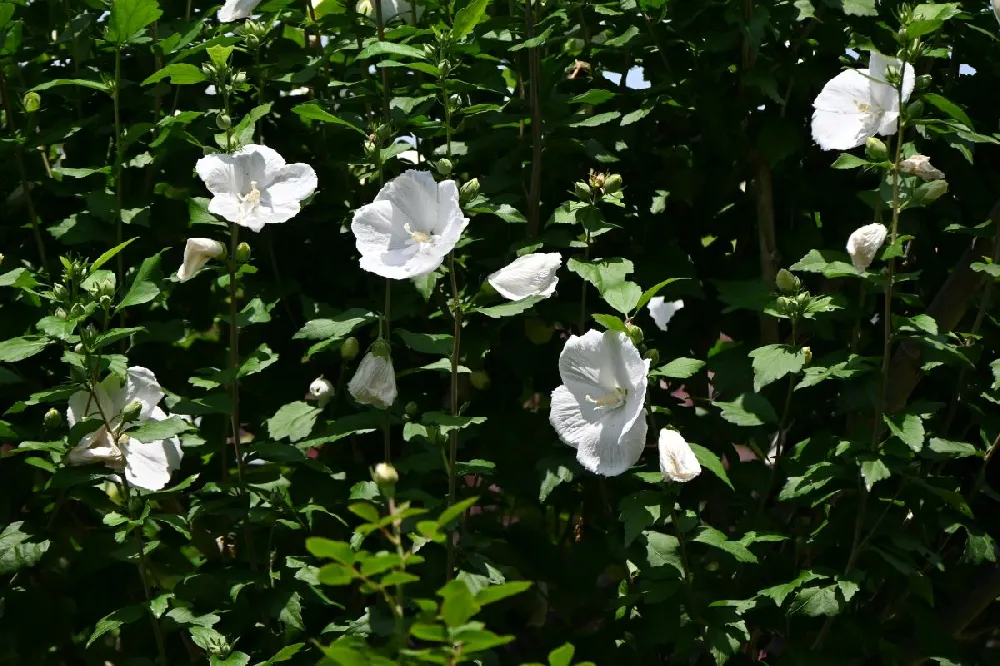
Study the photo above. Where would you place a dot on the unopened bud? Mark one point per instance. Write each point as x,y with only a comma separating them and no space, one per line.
597,180
210,71
131,411
350,348
480,380
385,475
634,333
242,253
223,121
613,183
411,408
469,191
60,313
321,390
444,166
32,102
923,83
60,292
807,355
53,418
875,149
445,68
239,78
252,41
581,189
105,302
786,282
653,356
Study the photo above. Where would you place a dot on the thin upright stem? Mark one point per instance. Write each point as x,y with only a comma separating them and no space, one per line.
388,332
141,565
453,442
23,172
583,289
380,27
118,165
534,72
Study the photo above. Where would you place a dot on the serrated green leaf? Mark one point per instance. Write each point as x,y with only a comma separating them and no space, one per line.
772,362
293,421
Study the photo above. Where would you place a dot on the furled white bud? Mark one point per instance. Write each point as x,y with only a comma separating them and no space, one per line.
321,390
197,253
677,460
374,383
864,244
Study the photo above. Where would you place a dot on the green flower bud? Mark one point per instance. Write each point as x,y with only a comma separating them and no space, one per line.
445,68
653,356
613,183
131,411
581,189
252,41
444,167
60,292
105,302
634,333
480,380
411,408
60,313
597,180
210,71
381,348
385,475
350,348
807,355
914,110
242,253
787,283
923,83
32,102
875,150
239,78
223,121
469,191
53,418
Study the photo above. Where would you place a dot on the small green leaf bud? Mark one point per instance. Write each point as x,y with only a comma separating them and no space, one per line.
581,189
444,166
242,253
875,150
53,418
239,78
381,348
350,348
613,183
131,411
223,121
787,283
32,102
634,333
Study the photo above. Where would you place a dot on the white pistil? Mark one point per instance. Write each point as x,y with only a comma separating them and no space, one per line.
418,236
249,202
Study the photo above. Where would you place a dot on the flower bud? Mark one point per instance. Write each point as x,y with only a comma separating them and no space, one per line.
480,380
864,244
444,166
469,191
634,333
53,418
875,149
105,302
385,475
807,355
321,390
445,68
131,411
613,183
350,348
60,292
411,408
920,166
32,102
197,253
787,283
242,253
223,121
239,78
653,356
210,71
678,461
597,180
60,313
923,83
252,41
581,189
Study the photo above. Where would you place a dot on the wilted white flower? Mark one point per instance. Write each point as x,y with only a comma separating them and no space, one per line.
254,186
864,244
234,10
920,165
530,275
197,252
859,103
663,311
599,408
146,465
391,9
374,383
677,460
411,226
321,390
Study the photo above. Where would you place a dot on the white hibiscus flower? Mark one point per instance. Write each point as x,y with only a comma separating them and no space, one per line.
663,311
859,103
197,253
599,409
530,275
374,382
145,465
864,244
234,10
677,460
920,166
254,186
391,9
411,226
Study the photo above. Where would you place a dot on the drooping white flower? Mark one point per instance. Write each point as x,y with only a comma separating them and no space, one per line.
374,382
677,460
662,311
321,390
411,226
920,165
599,409
234,10
859,103
530,275
391,10
145,465
864,244
197,253
254,186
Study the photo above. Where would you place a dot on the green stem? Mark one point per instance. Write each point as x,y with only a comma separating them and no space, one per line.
141,565
583,289
388,416
453,442
118,165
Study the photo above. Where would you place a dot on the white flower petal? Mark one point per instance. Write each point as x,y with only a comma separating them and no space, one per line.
884,95
142,386
234,10
218,172
374,382
148,465
677,460
864,244
662,311
530,275
82,403
293,182
197,253
845,114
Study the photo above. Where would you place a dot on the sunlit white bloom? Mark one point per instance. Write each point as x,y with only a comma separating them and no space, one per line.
321,390
254,186
530,275
411,156
146,465
411,226
374,383
859,103
864,244
996,9
391,10
677,460
197,252
920,165
234,10
662,311
599,408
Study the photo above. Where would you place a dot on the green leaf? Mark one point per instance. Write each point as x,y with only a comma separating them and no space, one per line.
653,291
711,462
155,431
562,656
179,73
772,362
601,273
663,550
948,107
610,322
129,18
390,48
427,343
873,471
494,593
143,288
622,296
778,593
293,421
110,254
748,410
827,263
909,428
593,97
84,83
855,7
312,111
597,119
848,161
335,328
17,550
468,17
18,349
679,368
456,509
815,601
115,620
511,308
713,537
950,449
339,551
459,605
